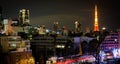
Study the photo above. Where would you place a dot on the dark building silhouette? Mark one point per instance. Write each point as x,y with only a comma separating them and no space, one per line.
0,14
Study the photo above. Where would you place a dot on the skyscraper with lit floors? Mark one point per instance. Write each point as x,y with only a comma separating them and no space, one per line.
24,16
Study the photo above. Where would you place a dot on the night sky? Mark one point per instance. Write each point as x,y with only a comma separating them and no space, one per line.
66,12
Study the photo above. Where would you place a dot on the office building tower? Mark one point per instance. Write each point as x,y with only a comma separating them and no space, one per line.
56,26
24,17
7,26
65,31
77,27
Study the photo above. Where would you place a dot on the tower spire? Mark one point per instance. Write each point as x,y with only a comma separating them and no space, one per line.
96,26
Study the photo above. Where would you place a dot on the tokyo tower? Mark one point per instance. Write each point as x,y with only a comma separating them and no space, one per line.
96,26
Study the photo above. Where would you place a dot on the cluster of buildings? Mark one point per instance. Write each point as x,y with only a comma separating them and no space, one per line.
13,48
25,43
10,26
110,47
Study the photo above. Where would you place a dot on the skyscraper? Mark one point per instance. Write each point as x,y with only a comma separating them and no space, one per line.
96,26
24,17
77,27
56,26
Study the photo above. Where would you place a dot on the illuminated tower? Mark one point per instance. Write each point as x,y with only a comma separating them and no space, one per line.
96,26
24,16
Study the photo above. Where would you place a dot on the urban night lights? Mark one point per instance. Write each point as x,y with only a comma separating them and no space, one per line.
53,32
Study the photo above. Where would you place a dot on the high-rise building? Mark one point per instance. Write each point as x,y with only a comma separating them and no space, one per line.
65,31
7,26
77,27
96,26
24,17
56,26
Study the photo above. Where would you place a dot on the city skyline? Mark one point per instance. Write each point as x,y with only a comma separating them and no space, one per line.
47,12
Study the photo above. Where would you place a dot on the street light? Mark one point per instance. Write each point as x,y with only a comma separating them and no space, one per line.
103,28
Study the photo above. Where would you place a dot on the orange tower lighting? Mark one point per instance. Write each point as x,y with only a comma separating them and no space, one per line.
96,26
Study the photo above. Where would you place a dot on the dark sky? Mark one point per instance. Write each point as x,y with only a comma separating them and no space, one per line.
66,12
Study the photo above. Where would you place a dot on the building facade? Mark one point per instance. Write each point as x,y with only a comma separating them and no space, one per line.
24,17
77,27
111,41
